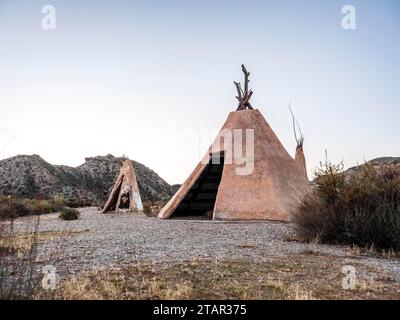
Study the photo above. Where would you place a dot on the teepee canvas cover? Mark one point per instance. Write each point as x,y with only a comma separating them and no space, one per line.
299,157
125,192
272,191
301,160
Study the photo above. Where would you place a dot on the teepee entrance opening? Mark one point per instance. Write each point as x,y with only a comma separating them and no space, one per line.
125,199
114,199
200,200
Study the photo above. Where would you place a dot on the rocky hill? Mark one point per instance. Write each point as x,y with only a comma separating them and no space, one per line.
391,161
89,183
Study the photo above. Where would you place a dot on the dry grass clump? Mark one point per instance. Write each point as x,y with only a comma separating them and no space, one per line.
20,275
194,279
17,259
69,214
78,202
361,207
151,209
298,277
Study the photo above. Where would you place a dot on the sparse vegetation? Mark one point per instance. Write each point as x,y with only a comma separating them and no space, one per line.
11,207
19,274
78,202
151,209
83,186
361,207
17,259
292,278
147,209
69,214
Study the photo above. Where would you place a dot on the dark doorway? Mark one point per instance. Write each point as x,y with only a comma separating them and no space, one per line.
124,202
200,200
114,200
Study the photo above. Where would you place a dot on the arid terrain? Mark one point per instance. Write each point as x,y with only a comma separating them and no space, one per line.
133,256
32,177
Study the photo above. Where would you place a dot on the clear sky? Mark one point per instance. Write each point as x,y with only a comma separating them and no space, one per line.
153,79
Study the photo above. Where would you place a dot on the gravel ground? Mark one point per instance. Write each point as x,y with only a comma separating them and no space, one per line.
101,240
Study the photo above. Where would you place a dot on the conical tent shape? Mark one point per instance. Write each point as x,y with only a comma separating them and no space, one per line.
125,189
301,160
273,190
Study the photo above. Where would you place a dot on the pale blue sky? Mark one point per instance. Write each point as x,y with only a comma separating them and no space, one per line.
149,78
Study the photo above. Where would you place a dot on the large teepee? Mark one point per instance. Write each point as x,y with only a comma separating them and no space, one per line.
125,193
220,189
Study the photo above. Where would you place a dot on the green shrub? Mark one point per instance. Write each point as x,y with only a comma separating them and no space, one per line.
361,207
44,206
6,210
57,203
77,202
69,214
11,207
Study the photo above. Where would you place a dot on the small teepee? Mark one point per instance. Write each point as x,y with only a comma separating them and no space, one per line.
299,157
125,193
222,189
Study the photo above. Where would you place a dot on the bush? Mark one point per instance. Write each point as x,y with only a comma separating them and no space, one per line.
147,209
77,202
361,207
151,209
57,203
11,207
69,214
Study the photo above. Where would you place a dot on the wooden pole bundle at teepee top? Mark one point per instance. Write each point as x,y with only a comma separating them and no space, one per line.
244,95
125,188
